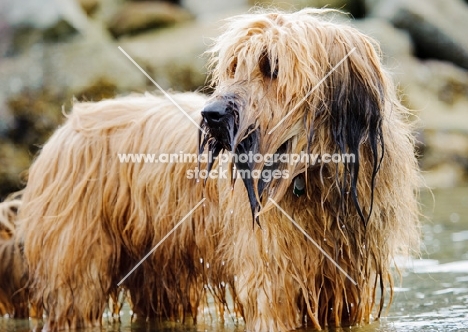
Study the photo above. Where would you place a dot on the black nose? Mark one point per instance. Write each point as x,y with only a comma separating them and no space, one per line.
215,111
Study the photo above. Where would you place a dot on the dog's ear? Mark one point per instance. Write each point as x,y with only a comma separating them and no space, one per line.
356,97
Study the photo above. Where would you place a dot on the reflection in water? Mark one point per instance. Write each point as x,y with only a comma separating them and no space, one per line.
433,295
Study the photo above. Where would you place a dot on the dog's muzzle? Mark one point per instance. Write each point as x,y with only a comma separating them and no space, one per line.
220,120
214,112
220,125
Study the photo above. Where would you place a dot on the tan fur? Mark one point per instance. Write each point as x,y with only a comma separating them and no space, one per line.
88,219
94,218
13,278
8,214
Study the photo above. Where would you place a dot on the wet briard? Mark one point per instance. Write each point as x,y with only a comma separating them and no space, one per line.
285,244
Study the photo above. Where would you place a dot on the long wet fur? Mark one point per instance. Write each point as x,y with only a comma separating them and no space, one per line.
88,219
360,213
13,273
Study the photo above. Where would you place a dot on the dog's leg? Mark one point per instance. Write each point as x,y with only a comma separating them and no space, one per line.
76,298
266,292
264,289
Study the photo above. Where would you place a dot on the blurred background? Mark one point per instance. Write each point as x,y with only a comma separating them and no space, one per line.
54,51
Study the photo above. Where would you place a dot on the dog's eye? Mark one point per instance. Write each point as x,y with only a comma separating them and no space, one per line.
265,67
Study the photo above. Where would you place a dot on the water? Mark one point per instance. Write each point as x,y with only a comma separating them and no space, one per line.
433,295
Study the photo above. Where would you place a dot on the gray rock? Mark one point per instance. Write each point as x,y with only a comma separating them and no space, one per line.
66,70
448,145
355,7
207,9
73,67
6,32
134,17
437,28
437,90
35,85
35,21
69,68
14,160
44,14
394,43
17,74
172,56
445,175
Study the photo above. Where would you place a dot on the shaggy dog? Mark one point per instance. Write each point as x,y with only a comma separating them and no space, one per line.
311,247
13,276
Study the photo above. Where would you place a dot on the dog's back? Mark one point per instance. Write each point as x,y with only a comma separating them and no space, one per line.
91,210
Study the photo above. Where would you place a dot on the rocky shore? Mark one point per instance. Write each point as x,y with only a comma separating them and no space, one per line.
52,52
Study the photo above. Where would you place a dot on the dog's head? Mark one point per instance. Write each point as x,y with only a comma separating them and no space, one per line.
292,83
